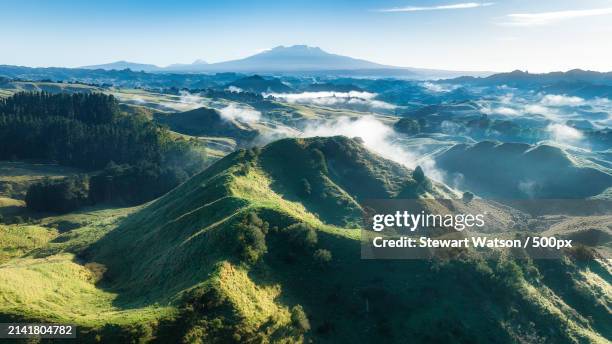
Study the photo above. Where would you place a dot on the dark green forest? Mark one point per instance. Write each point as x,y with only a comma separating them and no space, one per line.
140,159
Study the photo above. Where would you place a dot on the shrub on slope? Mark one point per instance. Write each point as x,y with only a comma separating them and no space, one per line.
182,251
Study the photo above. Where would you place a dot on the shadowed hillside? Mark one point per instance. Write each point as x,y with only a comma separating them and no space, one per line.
206,122
257,84
247,252
516,170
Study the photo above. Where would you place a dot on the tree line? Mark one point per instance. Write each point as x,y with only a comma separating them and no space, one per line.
139,159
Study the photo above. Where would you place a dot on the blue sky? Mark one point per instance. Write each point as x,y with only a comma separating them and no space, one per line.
539,36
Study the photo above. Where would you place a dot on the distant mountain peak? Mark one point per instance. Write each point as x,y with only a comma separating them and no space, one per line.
296,48
299,58
304,51
294,58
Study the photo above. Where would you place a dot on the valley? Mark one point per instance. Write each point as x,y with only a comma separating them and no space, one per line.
229,207
306,172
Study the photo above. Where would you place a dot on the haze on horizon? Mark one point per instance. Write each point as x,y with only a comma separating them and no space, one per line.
465,35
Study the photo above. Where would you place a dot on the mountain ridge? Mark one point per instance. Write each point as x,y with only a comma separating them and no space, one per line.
122,64
290,59
524,78
261,247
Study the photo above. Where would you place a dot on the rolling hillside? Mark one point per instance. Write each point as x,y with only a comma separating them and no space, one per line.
517,170
206,122
259,248
257,84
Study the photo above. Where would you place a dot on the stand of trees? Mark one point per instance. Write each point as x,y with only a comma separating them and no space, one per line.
61,196
80,130
133,184
141,160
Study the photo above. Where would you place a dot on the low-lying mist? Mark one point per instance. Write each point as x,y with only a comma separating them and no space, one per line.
377,136
332,98
555,114
564,117
228,110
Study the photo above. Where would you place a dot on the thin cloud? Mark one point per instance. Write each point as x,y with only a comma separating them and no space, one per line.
546,18
460,6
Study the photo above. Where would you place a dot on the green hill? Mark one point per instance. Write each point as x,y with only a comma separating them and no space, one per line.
259,248
206,122
521,170
257,84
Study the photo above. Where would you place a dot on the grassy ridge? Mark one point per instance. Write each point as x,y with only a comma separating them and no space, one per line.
56,288
171,270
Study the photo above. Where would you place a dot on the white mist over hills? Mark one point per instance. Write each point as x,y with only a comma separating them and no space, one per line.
329,98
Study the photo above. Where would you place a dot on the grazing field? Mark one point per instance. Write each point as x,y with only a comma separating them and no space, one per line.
35,260
17,240
236,251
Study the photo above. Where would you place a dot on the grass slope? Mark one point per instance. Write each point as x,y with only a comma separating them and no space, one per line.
171,270
16,240
206,122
